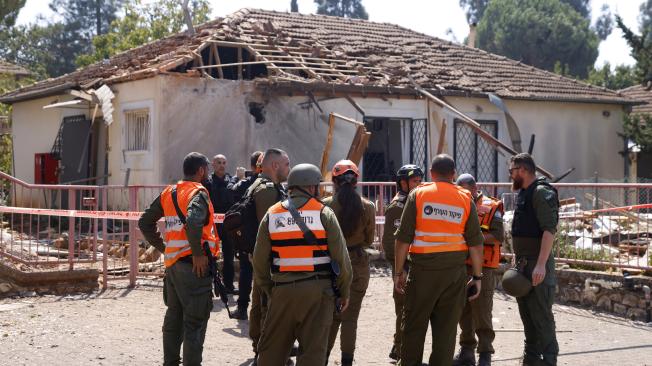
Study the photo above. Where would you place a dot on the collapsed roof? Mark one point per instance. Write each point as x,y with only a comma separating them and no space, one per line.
307,51
11,69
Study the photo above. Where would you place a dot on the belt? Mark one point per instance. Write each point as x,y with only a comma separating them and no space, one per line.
186,259
312,278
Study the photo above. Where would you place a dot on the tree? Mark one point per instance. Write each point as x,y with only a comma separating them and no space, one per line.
621,77
9,10
475,9
539,33
294,6
640,44
143,23
342,8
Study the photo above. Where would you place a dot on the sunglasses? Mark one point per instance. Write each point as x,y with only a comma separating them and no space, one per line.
513,169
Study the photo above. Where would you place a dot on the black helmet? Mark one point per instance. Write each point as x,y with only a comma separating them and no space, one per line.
408,171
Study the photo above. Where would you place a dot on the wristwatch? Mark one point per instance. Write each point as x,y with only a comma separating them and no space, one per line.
477,278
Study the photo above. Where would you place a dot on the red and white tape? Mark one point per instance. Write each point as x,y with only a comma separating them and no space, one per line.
113,215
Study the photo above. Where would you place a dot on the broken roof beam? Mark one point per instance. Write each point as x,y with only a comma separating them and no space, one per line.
216,57
497,144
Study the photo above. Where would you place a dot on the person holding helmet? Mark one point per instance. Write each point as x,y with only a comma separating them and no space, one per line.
533,234
357,218
476,316
407,179
299,251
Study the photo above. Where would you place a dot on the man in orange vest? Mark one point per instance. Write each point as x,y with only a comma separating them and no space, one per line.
188,241
439,228
476,316
301,263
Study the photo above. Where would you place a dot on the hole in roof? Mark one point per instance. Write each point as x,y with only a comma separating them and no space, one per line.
258,111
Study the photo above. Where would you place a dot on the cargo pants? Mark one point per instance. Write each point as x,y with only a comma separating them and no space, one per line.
436,297
300,311
535,309
476,316
348,319
189,301
257,314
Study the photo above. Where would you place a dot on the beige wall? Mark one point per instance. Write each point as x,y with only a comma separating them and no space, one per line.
567,134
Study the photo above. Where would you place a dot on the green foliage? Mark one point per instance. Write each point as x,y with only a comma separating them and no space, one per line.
8,83
641,46
143,23
9,10
621,77
474,9
565,248
539,33
638,128
342,8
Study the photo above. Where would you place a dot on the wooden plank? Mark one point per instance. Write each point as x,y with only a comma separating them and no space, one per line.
240,62
329,142
216,55
442,137
475,126
351,120
356,105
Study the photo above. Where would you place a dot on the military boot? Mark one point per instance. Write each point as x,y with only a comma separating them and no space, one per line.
465,357
347,359
393,354
240,313
484,359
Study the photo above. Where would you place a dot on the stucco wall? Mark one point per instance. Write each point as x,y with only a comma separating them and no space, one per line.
567,134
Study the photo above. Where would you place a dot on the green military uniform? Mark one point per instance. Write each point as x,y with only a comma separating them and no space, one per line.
301,303
189,299
393,214
361,238
435,291
476,316
265,194
537,210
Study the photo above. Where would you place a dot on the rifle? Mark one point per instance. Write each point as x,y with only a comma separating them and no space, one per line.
311,239
218,284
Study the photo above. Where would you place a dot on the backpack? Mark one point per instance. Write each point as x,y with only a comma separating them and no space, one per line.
240,188
241,222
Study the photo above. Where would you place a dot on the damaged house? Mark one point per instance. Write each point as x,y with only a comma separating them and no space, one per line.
259,79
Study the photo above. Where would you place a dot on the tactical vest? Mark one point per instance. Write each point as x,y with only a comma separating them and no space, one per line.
487,208
175,238
290,251
442,211
525,222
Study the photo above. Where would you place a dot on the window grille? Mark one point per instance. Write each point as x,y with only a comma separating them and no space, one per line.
137,127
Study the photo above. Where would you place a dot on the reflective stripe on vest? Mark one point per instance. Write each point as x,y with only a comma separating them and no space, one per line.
175,239
442,212
290,251
488,208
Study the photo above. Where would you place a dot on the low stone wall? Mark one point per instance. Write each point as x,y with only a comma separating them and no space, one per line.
14,282
612,293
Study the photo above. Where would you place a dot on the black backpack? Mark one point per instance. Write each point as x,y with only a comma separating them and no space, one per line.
241,222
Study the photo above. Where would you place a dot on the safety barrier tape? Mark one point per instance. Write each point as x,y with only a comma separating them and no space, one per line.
113,215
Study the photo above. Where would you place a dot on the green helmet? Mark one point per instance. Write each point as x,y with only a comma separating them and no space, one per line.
515,283
304,175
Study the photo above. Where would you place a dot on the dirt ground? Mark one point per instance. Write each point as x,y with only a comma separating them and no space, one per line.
122,326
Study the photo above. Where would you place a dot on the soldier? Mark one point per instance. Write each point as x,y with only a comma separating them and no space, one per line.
297,273
357,218
267,191
439,227
476,316
407,179
187,288
533,232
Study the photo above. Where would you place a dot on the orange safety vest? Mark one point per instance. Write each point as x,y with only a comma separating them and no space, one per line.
442,211
290,251
176,241
488,208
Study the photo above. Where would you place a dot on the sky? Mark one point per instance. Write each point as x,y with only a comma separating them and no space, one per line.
432,17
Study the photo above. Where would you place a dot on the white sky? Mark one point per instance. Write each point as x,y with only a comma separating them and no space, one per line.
432,17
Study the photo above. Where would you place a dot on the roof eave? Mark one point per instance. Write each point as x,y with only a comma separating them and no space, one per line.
39,93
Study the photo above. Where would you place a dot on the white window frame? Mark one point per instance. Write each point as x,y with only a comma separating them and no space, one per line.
137,159
138,130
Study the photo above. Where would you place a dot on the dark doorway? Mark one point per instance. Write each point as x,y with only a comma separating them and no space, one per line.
384,152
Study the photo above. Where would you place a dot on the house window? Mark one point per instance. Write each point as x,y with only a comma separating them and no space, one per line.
137,127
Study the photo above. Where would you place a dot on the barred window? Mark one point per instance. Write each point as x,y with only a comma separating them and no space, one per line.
137,128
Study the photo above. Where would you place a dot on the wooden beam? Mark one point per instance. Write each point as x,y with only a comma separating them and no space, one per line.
83,95
240,62
351,120
355,105
329,142
442,137
216,55
475,126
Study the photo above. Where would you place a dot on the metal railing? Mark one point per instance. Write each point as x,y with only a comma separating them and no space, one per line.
86,226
